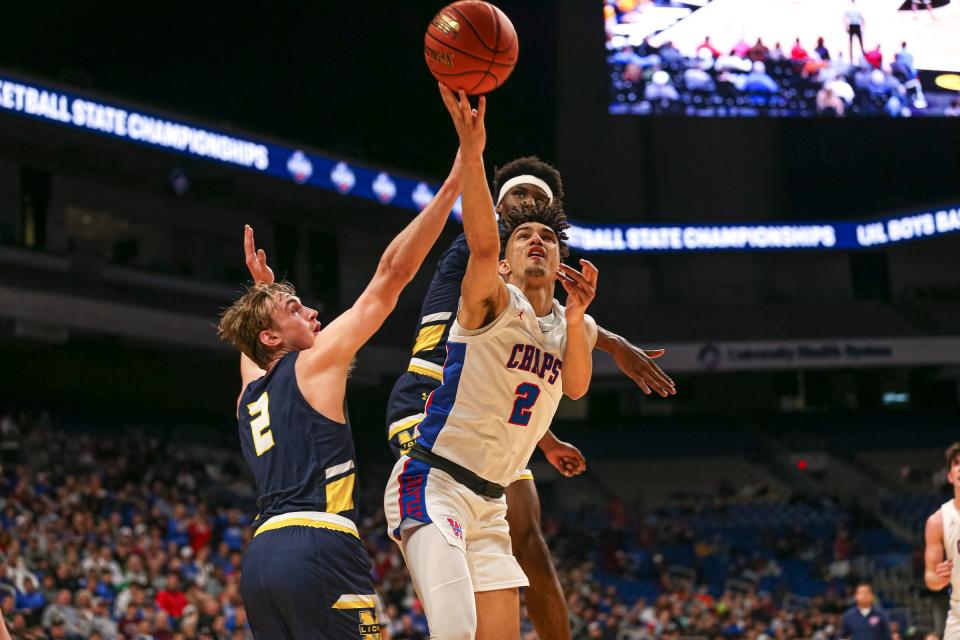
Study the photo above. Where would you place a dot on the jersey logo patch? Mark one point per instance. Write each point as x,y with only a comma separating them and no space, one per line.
455,526
369,625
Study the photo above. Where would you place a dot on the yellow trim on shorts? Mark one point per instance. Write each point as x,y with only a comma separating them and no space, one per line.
404,424
315,519
436,375
355,601
526,474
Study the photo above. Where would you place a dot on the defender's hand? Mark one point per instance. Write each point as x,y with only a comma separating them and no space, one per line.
256,259
638,365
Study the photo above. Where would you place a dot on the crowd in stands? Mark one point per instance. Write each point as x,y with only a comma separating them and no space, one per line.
139,536
763,78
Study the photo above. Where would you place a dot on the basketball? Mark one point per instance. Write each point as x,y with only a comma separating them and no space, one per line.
471,45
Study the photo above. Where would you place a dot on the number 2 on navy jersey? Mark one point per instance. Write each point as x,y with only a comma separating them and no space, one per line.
527,394
260,426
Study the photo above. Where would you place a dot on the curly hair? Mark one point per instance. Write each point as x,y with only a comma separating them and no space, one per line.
533,166
549,214
242,322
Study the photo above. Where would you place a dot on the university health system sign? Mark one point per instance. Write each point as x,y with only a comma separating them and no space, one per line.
142,126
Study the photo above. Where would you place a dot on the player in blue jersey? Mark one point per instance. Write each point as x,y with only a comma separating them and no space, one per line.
305,573
524,181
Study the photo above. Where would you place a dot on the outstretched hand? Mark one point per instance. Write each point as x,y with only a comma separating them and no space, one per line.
638,365
580,287
468,121
256,259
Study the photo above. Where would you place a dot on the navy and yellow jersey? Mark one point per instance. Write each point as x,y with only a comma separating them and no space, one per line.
425,370
439,307
302,461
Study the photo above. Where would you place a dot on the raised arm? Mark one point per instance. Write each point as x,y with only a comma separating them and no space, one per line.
256,261
483,294
338,343
636,363
937,570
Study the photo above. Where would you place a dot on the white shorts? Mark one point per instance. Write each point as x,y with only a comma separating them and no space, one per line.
417,495
951,630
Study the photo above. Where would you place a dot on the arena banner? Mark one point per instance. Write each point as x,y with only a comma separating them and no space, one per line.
140,125
801,354
769,236
123,121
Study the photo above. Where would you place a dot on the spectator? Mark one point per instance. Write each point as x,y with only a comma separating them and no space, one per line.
706,45
660,88
101,622
874,57
777,54
407,630
863,621
798,53
842,89
669,54
696,77
740,49
759,81
953,110
854,23
903,63
30,599
171,599
822,52
69,616
758,52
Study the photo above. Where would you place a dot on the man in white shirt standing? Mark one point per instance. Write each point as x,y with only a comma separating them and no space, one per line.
854,22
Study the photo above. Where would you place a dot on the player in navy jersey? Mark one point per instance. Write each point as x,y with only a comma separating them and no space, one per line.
514,185
306,573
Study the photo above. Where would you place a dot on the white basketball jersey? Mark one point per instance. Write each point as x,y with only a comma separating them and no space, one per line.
951,540
501,387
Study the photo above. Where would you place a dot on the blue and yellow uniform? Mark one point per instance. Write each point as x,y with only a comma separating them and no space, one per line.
306,573
405,409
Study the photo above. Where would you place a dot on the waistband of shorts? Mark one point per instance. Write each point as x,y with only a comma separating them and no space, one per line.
316,519
425,368
464,476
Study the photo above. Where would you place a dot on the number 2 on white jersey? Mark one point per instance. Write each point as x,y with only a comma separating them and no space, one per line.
260,425
527,394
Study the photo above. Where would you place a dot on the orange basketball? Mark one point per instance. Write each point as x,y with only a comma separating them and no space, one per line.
471,45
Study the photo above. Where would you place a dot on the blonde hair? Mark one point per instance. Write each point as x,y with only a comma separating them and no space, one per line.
242,322
952,452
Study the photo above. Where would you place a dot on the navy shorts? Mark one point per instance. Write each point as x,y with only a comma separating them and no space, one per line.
405,409
308,583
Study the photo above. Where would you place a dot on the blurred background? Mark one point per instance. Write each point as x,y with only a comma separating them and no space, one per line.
799,268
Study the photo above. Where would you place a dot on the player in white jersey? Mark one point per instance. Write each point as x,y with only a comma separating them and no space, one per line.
511,354
943,538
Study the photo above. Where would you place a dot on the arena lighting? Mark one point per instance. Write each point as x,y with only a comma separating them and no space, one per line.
123,121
